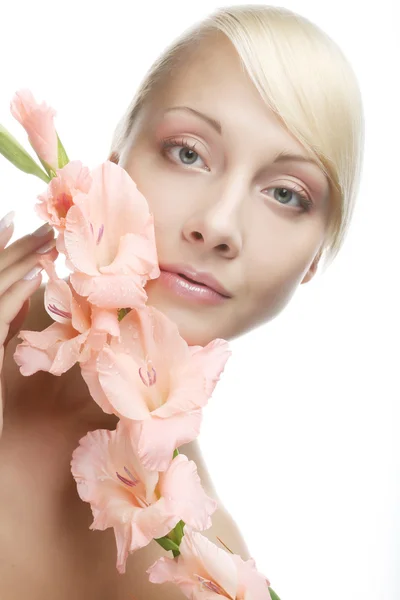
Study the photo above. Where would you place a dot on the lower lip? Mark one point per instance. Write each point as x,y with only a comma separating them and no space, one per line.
182,287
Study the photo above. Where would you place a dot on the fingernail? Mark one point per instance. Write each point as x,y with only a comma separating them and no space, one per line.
7,220
33,273
46,247
43,230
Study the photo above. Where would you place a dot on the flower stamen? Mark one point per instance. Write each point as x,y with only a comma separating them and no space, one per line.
57,311
129,482
151,374
207,584
100,235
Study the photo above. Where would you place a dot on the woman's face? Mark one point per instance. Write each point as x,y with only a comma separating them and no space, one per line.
223,203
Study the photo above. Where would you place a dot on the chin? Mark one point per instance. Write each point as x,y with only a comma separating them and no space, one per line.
194,325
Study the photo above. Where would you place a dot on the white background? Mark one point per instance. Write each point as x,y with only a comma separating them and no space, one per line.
307,410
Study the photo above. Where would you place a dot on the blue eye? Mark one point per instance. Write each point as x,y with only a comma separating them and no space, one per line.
187,155
304,200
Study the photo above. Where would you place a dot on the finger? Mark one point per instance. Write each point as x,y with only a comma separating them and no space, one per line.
25,245
12,301
18,270
16,324
6,229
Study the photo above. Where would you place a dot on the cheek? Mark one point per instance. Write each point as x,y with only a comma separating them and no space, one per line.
277,261
166,193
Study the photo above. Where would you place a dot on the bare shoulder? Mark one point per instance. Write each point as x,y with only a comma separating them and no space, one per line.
224,526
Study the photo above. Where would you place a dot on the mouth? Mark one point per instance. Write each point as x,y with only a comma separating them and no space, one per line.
200,278
196,285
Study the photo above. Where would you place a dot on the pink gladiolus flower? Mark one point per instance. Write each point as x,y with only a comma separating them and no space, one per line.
109,241
58,198
140,505
38,122
203,571
150,376
77,332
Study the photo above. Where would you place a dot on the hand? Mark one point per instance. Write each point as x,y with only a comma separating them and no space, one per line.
20,277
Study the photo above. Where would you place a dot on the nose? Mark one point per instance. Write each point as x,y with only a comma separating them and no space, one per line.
217,226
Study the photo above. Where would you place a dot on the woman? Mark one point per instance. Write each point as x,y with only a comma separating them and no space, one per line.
246,139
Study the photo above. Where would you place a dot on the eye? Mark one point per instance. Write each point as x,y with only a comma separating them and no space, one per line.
186,155
285,194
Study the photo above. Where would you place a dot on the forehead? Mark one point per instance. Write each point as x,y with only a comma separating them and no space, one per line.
211,78
208,70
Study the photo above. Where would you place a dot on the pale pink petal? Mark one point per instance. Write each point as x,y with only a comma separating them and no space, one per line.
139,251
31,359
217,564
211,361
105,321
200,568
55,349
184,495
110,291
81,312
57,301
110,477
38,122
109,239
165,570
120,380
152,522
91,377
159,437
60,194
252,584
80,243
196,379
68,353
45,339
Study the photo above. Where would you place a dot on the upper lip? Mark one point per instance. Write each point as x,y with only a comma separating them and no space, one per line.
198,277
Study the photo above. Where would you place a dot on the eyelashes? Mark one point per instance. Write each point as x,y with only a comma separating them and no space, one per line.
180,143
305,202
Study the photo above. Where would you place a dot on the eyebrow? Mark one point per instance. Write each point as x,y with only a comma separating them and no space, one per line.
283,156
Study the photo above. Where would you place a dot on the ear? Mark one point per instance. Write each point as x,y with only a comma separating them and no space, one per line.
313,267
114,157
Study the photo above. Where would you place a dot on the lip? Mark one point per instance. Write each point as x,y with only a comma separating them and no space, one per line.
198,277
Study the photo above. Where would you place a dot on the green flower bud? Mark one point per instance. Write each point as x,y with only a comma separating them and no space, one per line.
18,156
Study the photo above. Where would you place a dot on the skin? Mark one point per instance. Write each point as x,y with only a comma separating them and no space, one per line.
219,211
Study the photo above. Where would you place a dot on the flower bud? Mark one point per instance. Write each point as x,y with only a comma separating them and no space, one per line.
18,156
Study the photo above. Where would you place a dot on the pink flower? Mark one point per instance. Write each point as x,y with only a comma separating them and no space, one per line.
58,198
77,332
38,122
203,571
109,241
140,505
152,377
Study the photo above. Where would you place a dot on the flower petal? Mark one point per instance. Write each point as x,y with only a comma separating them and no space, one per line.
184,495
253,585
91,377
59,196
159,437
110,291
119,378
58,300
38,122
80,243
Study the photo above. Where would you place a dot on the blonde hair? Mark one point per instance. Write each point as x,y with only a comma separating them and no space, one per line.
303,76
